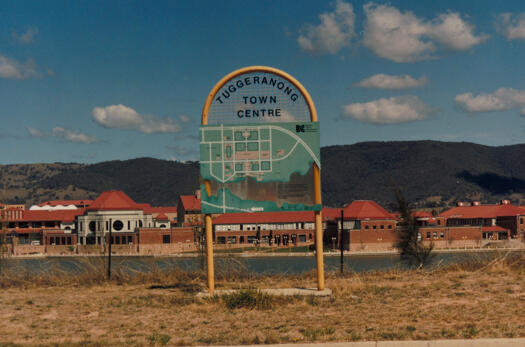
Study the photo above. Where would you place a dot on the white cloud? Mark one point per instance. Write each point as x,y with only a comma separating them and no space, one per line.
27,37
388,111
123,117
513,27
184,119
64,134
72,135
501,99
403,37
10,68
454,33
382,81
35,132
333,33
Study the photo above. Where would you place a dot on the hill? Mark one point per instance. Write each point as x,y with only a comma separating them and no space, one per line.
430,173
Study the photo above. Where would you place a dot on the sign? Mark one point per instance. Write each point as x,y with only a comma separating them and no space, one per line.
258,145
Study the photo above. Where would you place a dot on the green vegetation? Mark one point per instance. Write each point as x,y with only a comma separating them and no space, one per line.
409,243
249,299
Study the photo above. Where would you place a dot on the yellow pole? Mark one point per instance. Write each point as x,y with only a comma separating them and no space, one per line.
318,231
209,255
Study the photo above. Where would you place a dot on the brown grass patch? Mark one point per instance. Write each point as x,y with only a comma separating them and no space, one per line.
485,299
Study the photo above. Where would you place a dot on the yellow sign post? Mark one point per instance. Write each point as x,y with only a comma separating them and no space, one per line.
263,95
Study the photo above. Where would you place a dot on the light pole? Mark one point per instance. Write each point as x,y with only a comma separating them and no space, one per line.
341,244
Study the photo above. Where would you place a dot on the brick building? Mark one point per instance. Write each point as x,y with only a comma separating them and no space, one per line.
497,222
265,228
189,210
366,224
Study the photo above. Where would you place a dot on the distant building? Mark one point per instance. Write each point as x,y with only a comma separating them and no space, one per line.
265,228
61,205
112,209
189,210
366,221
497,222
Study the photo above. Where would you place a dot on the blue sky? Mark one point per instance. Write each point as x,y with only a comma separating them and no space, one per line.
88,81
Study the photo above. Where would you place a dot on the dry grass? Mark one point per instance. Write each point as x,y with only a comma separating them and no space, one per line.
480,299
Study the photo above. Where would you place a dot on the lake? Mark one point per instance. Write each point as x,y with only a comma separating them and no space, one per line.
257,264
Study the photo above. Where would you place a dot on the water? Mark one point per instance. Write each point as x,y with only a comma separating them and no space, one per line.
258,265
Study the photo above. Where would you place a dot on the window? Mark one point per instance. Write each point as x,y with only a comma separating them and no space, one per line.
93,226
162,226
118,225
442,235
439,222
367,227
374,227
428,234
221,240
130,240
382,226
166,238
129,225
52,240
232,239
521,220
241,239
302,238
390,226
107,225
140,224
435,235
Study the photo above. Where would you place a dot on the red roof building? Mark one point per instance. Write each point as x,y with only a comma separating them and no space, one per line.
504,215
113,200
189,210
366,210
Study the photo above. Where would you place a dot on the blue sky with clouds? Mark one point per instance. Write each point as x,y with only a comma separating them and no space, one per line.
88,81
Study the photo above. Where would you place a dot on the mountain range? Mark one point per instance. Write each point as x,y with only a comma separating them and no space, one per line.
430,174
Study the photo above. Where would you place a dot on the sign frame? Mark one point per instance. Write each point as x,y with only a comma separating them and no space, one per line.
316,171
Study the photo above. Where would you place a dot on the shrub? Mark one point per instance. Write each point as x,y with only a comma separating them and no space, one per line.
250,299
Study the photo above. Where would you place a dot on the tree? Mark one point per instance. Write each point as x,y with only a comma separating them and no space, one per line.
409,244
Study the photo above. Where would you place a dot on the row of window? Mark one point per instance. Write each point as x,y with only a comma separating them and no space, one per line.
434,235
276,226
117,225
122,240
367,227
25,225
276,239
60,240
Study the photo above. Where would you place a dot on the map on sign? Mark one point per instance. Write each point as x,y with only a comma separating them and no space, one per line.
259,167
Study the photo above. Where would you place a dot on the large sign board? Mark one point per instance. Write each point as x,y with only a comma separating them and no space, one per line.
259,148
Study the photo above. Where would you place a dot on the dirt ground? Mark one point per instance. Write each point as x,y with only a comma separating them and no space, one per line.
404,305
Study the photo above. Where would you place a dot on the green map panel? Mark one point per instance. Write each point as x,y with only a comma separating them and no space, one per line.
260,167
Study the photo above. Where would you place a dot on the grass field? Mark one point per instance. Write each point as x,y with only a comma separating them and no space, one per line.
480,299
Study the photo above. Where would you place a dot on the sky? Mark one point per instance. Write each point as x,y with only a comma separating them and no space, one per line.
90,81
